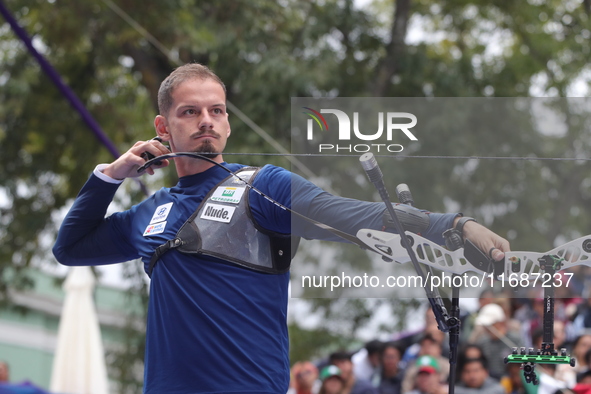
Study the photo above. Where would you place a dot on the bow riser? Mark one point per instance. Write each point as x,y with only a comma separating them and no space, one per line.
517,265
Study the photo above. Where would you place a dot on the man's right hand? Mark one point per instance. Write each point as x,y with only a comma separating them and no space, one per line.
127,164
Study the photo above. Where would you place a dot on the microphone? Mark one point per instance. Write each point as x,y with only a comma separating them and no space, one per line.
404,195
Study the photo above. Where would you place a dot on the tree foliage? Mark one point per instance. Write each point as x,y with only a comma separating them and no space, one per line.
268,51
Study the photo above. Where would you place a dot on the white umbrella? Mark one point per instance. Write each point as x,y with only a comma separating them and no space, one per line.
79,362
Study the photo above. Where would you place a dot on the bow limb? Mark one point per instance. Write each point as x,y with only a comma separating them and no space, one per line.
572,254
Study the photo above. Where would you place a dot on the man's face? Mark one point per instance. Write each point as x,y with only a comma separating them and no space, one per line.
474,375
333,385
390,360
427,382
346,367
306,378
559,332
197,120
430,348
3,372
583,345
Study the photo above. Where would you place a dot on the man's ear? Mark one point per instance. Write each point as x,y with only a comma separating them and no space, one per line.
161,126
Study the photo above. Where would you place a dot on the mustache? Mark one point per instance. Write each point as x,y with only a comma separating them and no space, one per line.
212,133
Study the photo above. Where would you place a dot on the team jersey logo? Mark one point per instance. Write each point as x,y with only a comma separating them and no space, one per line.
217,212
154,229
161,213
228,194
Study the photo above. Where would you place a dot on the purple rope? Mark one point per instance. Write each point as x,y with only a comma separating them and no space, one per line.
63,88
56,79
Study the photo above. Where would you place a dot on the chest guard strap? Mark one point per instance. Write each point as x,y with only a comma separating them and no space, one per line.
223,227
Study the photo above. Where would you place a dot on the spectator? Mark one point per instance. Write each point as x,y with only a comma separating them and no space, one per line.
4,372
486,297
352,384
512,382
304,378
584,377
429,346
332,380
559,334
513,324
586,361
390,380
474,378
471,350
581,346
467,352
366,362
583,385
582,321
534,323
412,343
549,381
492,335
428,378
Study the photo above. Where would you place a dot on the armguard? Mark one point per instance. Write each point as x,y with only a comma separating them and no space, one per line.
412,219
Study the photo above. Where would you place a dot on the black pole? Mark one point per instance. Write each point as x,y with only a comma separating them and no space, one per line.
454,336
453,241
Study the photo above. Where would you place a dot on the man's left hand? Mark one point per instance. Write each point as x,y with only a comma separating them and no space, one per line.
490,243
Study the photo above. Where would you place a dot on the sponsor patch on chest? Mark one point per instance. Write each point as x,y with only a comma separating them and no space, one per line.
154,229
228,194
161,213
217,212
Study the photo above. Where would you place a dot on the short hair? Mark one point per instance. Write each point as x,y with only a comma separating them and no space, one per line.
466,347
429,337
578,339
481,360
374,346
583,375
463,359
341,355
179,75
393,345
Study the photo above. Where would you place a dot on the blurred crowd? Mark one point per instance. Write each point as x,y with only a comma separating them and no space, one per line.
418,363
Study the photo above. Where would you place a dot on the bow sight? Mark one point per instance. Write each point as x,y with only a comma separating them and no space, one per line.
550,265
